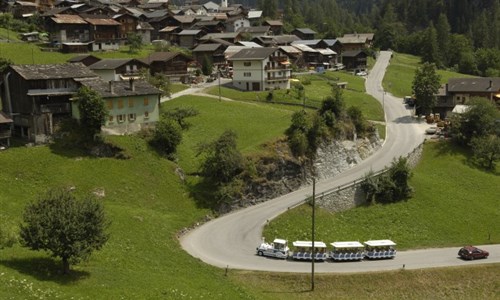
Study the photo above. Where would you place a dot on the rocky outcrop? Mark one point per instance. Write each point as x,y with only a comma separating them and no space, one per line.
281,173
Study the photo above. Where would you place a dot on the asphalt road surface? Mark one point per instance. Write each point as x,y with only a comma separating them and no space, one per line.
230,241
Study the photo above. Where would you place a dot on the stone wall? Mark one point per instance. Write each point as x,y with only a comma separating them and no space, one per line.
352,195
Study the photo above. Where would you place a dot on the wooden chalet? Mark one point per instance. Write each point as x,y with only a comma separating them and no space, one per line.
38,96
173,64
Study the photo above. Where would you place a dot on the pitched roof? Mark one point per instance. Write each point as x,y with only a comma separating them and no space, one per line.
206,47
249,44
169,29
222,35
68,19
290,49
254,14
144,26
304,48
79,58
331,42
189,32
306,30
306,42
102,21
121,88
161,56
368,36
273,22
110,63
53,71
185,19
254,53
480,84
352,40
254,29
352,53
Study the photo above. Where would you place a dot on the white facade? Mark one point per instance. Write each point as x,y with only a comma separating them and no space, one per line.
104,46
270,73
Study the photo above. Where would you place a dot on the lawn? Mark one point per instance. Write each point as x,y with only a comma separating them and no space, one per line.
399,75
454,204
474,282
255,124
29,53
317,88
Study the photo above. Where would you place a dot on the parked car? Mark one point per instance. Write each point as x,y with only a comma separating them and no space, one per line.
471,252
361,73
432,130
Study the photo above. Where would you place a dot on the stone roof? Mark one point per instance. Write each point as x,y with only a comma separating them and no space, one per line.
102,22
480,84
4,118
254,29
111,63
161,56
53,71
79,58
222,35
306,30
254,53
273,22
206,47
189,32
121,88
68,19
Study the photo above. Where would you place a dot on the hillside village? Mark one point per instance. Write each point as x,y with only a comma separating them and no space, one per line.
235,41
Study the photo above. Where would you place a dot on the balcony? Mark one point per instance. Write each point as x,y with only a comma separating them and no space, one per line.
56,108
277,78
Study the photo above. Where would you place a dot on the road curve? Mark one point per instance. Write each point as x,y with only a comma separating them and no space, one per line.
230,240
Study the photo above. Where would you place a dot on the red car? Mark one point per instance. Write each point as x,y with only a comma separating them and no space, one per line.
471,252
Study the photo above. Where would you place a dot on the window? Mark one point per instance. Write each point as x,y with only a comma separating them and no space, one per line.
146,101
130,102
146,115
131,117
120,118
120,103
109,104
110,119
247,74
247,63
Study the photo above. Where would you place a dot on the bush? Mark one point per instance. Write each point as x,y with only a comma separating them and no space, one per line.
167,136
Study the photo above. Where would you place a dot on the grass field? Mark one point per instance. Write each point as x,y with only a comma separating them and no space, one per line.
315,92
399,75
254,123
454,204
475,282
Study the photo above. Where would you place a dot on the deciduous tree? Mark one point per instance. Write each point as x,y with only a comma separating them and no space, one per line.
425,85
68,228
93,111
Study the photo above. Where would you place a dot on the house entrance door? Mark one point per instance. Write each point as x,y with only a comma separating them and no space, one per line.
255,86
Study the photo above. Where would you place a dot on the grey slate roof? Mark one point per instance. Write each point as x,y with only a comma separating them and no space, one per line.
121,88
481,84
255,29
109,64
79,58
53,71
253,54
189,32
305,30
206,47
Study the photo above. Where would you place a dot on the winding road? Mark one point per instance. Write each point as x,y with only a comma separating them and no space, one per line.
230,241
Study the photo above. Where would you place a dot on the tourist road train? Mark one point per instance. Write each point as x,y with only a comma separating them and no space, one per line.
339,251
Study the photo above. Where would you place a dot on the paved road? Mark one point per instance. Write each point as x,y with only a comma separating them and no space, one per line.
230,241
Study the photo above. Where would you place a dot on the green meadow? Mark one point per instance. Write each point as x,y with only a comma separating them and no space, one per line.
454,203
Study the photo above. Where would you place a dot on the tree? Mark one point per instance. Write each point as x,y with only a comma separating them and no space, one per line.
167,135
443,38
430,51
159,81
4,64
134,42
223,159
479,120
486,150
425,85
206,66
93,111
69,228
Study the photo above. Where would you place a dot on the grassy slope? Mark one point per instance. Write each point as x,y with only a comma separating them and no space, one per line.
453,204
315,92
474,282
399,75
146,203
253,122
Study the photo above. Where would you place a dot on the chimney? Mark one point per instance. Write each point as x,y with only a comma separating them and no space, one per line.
111,87
132,84
491,84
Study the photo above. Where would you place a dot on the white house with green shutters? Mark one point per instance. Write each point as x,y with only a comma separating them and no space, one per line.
132,105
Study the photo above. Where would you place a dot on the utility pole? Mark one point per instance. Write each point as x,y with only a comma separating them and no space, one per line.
219,72
313,217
